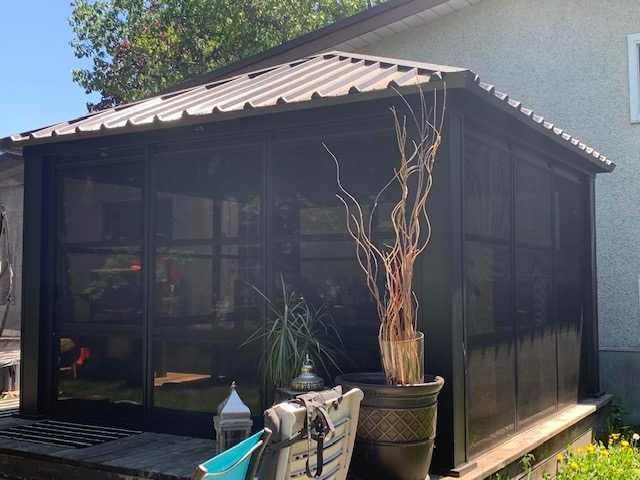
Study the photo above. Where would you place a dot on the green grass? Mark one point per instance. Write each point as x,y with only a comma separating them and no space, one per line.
196,397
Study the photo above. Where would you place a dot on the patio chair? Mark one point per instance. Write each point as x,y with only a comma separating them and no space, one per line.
300,459
238,462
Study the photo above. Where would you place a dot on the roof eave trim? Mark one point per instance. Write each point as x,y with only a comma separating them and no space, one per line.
507,105
221,116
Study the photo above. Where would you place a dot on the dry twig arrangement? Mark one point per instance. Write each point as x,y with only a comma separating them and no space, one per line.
396,302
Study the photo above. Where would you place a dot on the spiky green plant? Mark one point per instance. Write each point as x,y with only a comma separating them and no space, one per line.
294,330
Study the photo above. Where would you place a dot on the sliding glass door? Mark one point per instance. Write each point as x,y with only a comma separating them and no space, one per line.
99,296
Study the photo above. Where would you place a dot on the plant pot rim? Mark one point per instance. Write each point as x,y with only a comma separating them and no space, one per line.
364,379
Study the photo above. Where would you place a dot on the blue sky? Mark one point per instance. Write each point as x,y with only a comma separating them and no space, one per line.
36,89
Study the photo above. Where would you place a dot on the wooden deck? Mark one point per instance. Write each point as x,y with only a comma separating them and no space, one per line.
143,455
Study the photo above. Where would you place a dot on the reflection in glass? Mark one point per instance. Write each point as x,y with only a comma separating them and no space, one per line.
570,260
207,221
491,387
209,194
491,348
535,309
310,207
537,385
101,285
489,289
326,274
532,203
489,304
196,377
102,203
487,182
99,372
207,287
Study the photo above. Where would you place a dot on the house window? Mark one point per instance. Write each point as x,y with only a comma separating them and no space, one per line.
633,42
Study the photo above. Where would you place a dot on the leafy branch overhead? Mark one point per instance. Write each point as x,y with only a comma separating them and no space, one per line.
141,47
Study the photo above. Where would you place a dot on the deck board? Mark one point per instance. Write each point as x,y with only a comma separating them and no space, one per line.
185,466
104,450
159,457
146,455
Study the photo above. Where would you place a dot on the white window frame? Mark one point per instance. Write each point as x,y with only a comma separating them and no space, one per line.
633,43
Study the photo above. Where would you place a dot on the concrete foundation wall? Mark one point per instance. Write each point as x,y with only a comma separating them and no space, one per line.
619,374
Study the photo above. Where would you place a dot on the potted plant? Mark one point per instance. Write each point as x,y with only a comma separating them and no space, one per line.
294,329
396,429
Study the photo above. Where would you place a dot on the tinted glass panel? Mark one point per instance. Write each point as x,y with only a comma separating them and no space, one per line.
487,183
326,273
536,376
205,306
532,202
305,183
99,295
102,203
101,285
570,260
204,294
207,287
195,376
209,194
99,372
489,287
491,345
313,250
535,309
489,308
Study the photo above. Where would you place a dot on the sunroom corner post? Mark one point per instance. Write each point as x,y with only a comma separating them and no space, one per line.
441,286
456,156
36,331
591,368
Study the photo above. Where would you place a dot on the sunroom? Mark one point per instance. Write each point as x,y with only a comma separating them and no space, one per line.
148,225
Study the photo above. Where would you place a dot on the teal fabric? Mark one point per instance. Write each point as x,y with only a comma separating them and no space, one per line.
228,458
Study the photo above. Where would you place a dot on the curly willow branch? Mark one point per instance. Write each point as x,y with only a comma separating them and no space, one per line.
396,303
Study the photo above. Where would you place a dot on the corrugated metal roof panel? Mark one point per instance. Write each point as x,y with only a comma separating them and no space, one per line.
329,75
332,74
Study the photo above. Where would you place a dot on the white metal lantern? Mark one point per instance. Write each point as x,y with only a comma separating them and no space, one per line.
233,422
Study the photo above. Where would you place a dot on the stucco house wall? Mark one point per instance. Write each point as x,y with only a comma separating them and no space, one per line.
568,59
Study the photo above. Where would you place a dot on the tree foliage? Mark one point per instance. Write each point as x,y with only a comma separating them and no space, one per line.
140,47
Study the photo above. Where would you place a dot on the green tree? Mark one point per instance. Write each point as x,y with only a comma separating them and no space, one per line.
140,47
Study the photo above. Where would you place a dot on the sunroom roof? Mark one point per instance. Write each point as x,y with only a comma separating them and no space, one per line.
323,79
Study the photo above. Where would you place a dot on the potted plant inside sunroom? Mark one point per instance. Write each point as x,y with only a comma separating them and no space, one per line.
396,429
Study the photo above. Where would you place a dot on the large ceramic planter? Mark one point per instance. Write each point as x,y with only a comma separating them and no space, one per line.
396,428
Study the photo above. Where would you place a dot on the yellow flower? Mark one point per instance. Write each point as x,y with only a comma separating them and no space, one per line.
624,443
591,449
605,452
559,457
580,450
610,441
615,435
575,466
